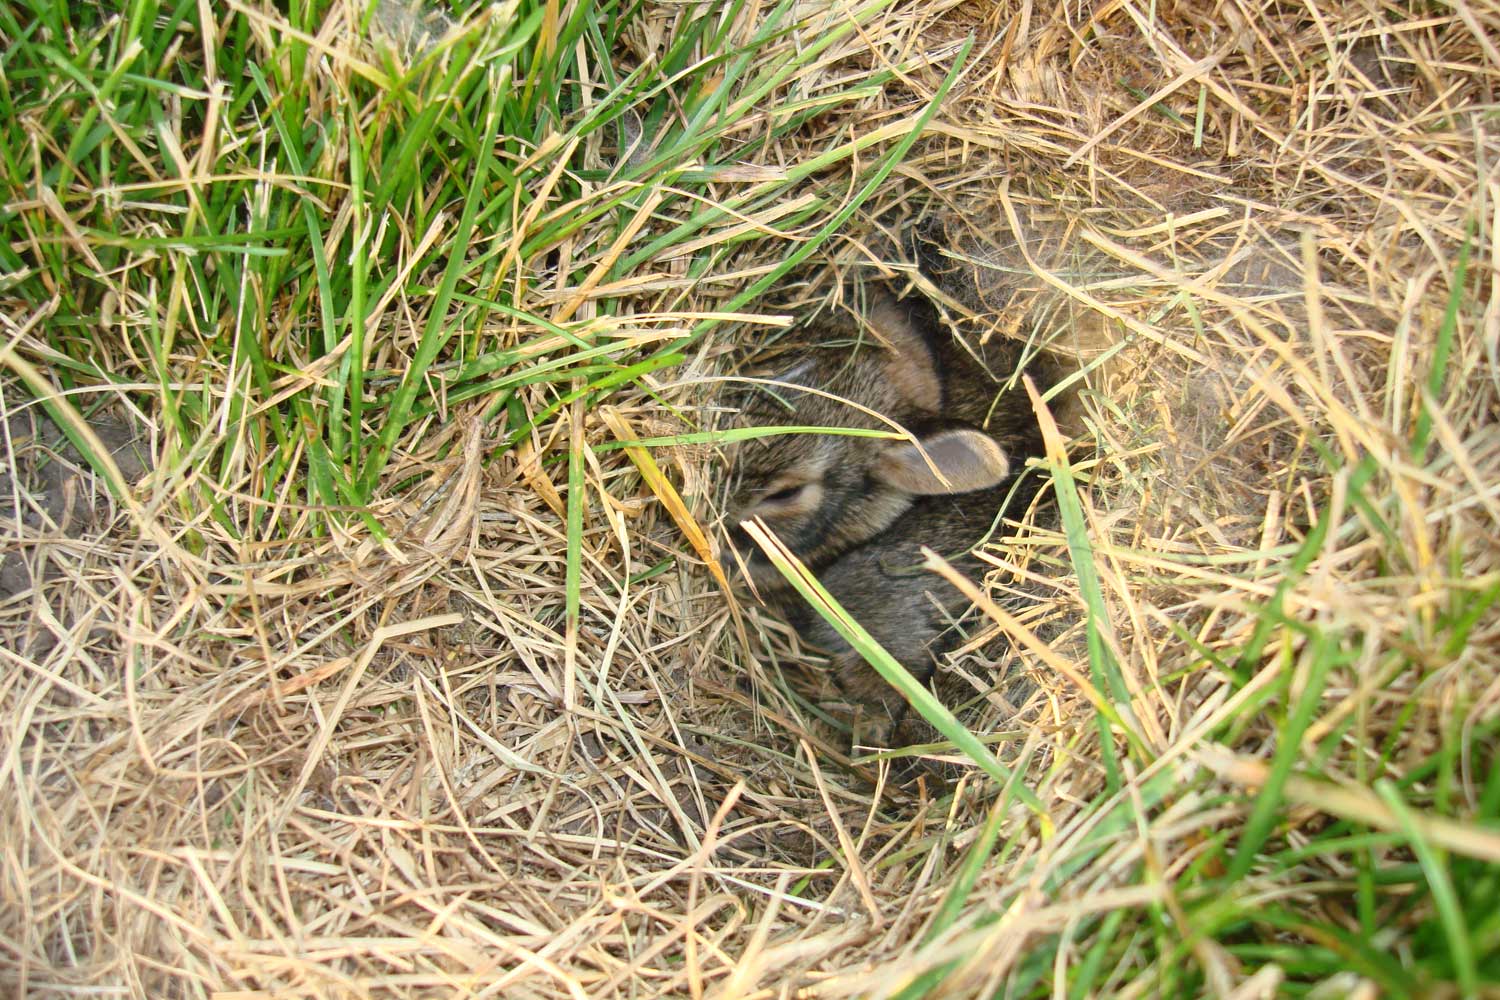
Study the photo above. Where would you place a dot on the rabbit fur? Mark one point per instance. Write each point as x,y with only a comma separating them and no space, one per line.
857,510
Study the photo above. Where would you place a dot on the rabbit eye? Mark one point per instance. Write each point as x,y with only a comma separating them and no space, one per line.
785,493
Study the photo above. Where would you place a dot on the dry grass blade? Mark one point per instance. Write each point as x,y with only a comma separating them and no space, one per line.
363,378
1357,804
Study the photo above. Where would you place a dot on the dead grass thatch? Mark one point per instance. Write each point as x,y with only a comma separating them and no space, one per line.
304,762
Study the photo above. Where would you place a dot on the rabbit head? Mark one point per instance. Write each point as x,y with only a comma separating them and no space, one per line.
823,493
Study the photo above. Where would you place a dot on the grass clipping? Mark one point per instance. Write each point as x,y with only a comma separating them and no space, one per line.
401,667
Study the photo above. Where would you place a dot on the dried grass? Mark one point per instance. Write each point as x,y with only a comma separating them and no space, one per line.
327,764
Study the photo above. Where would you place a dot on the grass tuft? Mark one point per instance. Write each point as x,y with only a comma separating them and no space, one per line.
361,375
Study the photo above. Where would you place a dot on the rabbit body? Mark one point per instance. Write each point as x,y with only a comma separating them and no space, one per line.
915,615
858,510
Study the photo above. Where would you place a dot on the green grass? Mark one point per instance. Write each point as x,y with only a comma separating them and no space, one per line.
301,262
1310,877
1384,902
253,273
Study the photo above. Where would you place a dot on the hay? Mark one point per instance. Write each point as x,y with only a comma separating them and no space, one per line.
247,754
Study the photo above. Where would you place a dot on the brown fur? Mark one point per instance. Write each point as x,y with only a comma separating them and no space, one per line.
857,510
909,611
825,493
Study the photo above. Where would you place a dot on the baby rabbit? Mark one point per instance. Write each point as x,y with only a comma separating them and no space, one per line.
825,493
857,510
911,612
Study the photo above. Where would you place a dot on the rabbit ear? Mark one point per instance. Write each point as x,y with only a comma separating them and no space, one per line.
912,368
963,459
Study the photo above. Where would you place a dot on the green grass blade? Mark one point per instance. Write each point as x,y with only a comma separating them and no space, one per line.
894,674
1321,655
436,332
1455,930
